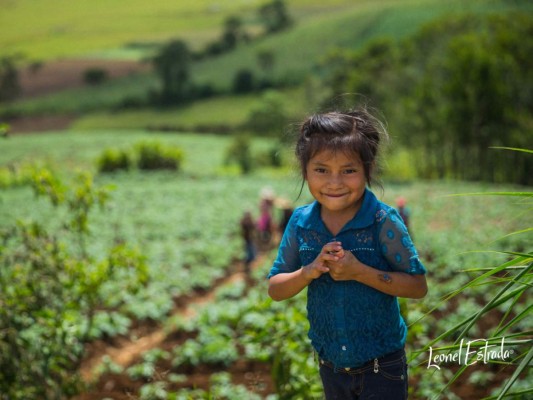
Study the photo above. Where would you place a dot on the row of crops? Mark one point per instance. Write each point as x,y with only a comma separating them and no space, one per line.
181,230
242,325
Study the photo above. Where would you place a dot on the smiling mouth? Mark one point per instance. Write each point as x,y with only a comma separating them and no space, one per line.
334,195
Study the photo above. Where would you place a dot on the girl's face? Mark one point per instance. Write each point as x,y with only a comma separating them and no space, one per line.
337,181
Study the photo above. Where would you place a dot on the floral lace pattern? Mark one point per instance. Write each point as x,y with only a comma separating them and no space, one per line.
351,323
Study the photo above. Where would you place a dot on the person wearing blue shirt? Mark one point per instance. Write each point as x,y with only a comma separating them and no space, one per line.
355,256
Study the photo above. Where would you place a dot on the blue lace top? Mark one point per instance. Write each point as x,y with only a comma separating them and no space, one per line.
351,323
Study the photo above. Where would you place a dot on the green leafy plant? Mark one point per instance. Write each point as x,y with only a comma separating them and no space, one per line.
17,174
267,332
221,387
49,292
112,160
146,155
154,391
268,116
509,285
154,155
240,152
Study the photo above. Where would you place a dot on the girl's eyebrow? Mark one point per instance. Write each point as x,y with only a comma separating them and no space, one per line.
324,164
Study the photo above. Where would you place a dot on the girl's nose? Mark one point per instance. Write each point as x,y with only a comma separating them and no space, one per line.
335,180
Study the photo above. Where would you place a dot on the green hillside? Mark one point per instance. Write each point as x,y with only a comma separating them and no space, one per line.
49,29
323,54
297,52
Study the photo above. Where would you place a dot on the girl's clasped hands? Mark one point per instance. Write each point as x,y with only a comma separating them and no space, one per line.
342,265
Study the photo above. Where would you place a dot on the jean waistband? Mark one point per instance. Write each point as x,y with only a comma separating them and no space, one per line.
369,365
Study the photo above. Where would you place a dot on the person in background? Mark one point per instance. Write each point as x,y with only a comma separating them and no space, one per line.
403,210
355,257
286,211
265,223
248,234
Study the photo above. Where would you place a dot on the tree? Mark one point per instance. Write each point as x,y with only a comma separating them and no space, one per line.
95,75
268,115
172,66
451,92
475,95
266,60
239,151
233,33
243,81
275,16
9,80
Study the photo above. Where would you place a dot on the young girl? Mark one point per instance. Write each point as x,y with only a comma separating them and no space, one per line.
355,256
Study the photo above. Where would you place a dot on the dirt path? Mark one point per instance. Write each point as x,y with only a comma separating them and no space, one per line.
124,351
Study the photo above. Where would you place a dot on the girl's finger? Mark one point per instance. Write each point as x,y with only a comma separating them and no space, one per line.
340,253
323,268
332,247
331,256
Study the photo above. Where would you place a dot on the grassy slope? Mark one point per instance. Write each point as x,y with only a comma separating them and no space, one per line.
297,53
48,29
53,28
225,111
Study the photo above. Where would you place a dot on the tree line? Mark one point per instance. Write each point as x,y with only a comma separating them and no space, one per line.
173,62
455,95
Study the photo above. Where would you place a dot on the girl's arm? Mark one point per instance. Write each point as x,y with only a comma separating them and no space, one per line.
396,246
400,284
288,284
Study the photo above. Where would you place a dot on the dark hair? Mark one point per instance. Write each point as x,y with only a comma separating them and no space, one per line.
354,132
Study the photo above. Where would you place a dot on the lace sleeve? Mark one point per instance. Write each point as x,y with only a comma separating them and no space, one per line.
397,246
288,258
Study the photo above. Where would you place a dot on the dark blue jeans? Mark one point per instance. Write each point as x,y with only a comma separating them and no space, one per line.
384,378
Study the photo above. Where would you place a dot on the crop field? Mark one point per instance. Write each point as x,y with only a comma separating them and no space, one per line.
186,224
122,271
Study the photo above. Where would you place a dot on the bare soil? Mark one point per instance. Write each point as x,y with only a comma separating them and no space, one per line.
66,74
146,335
54,76
40,123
